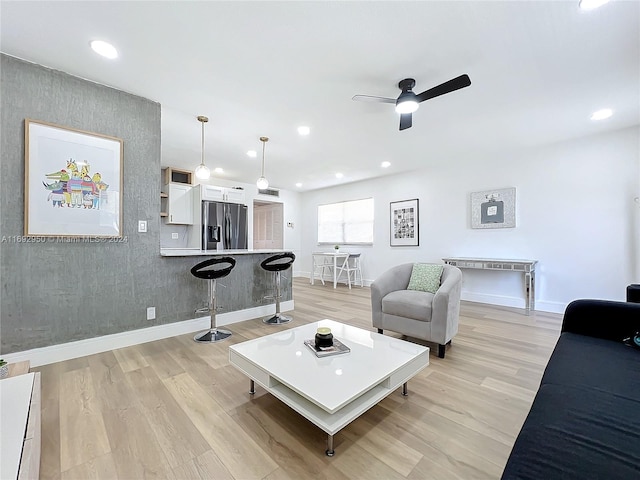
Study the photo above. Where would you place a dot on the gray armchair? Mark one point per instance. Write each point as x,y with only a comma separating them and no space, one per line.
428,316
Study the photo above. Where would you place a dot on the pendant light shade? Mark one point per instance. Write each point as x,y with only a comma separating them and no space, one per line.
262,182
202,171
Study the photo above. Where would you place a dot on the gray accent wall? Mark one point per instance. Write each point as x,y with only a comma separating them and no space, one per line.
54,292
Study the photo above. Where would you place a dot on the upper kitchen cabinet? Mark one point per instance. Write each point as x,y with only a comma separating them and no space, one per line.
234,195
176,197
175,175
222,194
179,204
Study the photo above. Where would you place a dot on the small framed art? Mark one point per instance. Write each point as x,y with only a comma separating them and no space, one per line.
404,223
494,208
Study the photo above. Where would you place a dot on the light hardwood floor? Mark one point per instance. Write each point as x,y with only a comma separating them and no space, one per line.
176,409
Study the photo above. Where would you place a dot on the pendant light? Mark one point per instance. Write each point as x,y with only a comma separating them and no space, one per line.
262,182
202,171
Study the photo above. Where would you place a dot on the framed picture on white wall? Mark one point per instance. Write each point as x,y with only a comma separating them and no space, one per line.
494,208
404,223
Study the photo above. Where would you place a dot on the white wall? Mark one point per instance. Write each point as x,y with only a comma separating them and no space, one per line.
575,214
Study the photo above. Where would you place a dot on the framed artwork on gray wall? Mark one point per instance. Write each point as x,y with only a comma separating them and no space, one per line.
494,208
73,182
404,223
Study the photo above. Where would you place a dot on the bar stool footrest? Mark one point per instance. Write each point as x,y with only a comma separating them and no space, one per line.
272,297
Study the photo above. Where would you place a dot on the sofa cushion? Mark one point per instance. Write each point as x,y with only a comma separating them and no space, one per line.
408,303
425,277
605,365
577,432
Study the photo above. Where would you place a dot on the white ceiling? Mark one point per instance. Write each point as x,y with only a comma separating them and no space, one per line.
538,70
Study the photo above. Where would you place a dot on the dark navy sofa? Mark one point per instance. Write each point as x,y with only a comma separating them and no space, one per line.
585,419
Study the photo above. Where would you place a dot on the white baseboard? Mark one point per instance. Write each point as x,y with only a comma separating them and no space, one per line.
552,307
91,346
515,302
328,278
249,313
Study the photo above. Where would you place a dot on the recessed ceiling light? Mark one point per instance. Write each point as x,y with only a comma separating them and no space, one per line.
218,170
385,164
303,130
591,4
105,49
252,153
601,114
339,175
298,184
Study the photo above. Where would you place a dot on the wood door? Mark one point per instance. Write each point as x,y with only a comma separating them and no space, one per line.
268,225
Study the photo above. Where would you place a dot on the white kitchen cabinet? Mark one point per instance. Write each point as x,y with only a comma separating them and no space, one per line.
234,195
211,192
221,194
179,204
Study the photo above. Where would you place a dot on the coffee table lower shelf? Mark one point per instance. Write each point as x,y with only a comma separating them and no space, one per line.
329,422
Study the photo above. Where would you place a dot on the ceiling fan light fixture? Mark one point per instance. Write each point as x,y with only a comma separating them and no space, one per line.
262,182
407,103
202,171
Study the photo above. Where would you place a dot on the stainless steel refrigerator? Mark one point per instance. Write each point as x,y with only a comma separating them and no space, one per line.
224,225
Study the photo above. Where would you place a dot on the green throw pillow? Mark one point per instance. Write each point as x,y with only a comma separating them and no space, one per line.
425,277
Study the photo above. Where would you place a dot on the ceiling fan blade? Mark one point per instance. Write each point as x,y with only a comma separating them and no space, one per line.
446,87
405,121
371,98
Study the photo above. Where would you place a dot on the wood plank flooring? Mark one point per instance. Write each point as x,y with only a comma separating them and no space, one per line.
175,409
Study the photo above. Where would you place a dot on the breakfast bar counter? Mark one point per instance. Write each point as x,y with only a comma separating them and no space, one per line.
241,294
194,252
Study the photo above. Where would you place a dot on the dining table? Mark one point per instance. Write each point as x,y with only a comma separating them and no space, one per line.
337,261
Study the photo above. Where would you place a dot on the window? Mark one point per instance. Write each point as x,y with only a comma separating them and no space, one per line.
346,222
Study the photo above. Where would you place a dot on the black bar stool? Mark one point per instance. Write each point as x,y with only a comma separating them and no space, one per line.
211,270
277,264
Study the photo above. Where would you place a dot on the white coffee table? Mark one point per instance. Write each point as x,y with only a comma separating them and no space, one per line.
333,391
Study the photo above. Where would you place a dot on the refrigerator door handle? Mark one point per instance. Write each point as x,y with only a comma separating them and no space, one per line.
227,232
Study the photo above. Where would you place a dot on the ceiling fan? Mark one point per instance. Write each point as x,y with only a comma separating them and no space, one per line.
408,102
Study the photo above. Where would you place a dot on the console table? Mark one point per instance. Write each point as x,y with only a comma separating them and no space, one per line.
527,267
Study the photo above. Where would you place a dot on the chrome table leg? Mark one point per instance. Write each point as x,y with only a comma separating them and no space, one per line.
330,451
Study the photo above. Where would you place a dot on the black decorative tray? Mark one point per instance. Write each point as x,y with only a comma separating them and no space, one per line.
337,348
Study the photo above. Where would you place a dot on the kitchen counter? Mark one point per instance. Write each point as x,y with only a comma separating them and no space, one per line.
242,293
194,252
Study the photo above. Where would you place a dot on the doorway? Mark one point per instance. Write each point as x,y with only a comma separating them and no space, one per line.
268,225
